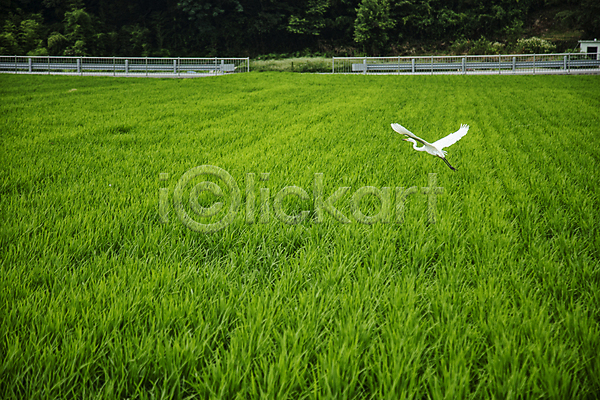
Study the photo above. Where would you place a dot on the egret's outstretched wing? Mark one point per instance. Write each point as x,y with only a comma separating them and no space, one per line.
402,130
451,138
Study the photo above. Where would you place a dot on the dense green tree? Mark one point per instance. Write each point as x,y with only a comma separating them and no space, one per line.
372,26
309,18
340,21
78,32
23,34
9,39
217,21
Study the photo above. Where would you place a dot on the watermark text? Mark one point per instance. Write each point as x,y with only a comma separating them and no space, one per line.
323,203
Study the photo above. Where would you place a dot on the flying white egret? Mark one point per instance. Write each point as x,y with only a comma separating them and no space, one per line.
435,148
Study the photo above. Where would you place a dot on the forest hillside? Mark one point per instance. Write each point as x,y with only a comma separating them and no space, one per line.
204,28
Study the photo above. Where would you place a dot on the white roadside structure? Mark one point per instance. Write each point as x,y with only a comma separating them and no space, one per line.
590,47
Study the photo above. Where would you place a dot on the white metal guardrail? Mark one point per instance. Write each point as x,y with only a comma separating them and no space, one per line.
492,64
123,66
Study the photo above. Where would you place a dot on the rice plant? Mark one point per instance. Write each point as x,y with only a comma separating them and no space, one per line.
106,292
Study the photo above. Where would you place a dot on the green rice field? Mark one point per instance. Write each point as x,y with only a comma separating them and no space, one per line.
112,286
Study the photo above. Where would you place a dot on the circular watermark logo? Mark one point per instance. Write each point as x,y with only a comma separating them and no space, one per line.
178,195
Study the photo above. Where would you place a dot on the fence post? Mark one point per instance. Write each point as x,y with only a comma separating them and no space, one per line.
463,62
333,65
15,64
364,66
431,65
565,63
499,65
30,64
79,66
534,64
398,65
126,67
412,63
146,65
48,65
514,66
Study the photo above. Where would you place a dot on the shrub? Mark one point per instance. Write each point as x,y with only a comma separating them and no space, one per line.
460,46
476,47
535,45
484,46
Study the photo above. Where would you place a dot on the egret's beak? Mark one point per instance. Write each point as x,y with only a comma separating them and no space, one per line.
406,140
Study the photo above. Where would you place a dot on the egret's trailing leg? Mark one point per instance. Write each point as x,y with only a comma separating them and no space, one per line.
451,167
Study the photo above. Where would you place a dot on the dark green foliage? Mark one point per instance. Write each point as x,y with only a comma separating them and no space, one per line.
582,14
252,27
